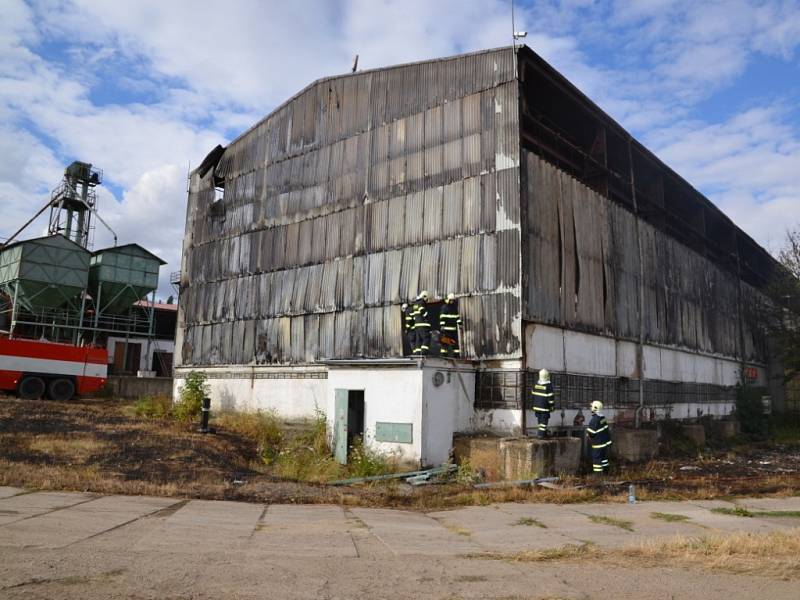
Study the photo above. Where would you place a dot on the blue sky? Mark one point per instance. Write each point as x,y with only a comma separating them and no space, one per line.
144,89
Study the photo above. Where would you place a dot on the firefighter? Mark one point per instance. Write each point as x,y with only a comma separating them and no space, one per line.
422,325
599,438
543,401
408,325
449,320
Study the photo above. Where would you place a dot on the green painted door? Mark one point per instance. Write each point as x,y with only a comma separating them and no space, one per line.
340,427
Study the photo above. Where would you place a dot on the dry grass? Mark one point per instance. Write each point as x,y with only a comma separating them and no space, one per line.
104,446
771,554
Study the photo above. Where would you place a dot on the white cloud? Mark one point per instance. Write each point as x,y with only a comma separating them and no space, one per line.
204,71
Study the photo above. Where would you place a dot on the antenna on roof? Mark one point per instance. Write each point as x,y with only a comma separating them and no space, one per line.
515,35
355,64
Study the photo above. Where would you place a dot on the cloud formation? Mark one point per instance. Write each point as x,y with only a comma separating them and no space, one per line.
145,89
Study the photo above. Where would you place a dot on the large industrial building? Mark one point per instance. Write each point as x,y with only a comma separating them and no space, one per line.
569,245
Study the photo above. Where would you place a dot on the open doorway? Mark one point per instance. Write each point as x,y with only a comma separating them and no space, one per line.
349,422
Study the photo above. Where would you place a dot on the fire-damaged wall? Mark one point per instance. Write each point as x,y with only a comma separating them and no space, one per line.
583,274
347,200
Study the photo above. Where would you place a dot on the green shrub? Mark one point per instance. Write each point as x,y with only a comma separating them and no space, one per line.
191,397
153,407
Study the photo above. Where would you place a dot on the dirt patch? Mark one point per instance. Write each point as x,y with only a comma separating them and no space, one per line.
101,446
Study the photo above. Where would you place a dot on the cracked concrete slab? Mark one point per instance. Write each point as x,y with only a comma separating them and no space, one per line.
24,506
81,521
303,531
204,526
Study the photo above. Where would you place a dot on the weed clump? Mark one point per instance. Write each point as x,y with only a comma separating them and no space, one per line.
191,397
153,407
308,457
263,427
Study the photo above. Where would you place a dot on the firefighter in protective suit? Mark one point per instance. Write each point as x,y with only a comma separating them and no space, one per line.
408,325
421,325
543,401
449,320
599,438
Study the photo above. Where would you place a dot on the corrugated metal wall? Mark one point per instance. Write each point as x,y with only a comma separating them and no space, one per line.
350,198
583,273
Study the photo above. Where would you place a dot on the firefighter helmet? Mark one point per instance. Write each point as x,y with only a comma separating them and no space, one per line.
544,375
451,297
596,406
404,306
423,295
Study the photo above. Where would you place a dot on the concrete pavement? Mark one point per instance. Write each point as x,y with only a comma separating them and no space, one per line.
115,544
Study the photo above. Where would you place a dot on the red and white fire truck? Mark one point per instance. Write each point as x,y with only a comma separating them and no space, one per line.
33,369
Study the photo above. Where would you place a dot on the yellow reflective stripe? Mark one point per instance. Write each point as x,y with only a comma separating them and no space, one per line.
541,409
601,445
603,428
543,395
592,431
422,324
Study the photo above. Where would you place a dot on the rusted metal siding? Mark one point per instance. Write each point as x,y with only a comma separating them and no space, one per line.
349,199
583,273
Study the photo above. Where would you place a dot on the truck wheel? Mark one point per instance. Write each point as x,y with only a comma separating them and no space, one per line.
61,389
31,388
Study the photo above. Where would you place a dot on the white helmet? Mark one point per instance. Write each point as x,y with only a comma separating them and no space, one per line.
423,295
544,375
596,406
451,296
404,306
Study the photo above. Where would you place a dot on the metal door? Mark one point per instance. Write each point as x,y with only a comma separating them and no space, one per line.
340,426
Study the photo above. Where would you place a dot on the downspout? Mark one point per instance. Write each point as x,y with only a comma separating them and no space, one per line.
637,415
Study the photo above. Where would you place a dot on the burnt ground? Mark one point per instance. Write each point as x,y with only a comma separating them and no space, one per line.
98,445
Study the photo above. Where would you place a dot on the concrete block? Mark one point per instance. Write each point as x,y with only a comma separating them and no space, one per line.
634,445
483,453
524,458
695,432
723,428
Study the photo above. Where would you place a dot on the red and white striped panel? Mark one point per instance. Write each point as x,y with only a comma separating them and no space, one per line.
87,364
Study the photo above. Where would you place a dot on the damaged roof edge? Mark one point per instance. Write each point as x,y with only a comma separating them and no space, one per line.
365,72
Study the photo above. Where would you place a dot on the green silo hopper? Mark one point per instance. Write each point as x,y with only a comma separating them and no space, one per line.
121,276
44,273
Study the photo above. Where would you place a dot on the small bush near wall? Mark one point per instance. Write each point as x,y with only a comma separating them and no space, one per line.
191,397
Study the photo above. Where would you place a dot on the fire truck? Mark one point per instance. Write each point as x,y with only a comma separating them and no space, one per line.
35,369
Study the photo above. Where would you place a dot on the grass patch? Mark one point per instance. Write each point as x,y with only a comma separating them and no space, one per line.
77,448
567,552
530,522
263,427
152,407
603,520
736,511
741,511
772,554
668,517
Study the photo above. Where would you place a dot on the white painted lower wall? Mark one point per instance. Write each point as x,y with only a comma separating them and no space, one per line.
407,394
293,392
400,393
569,351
